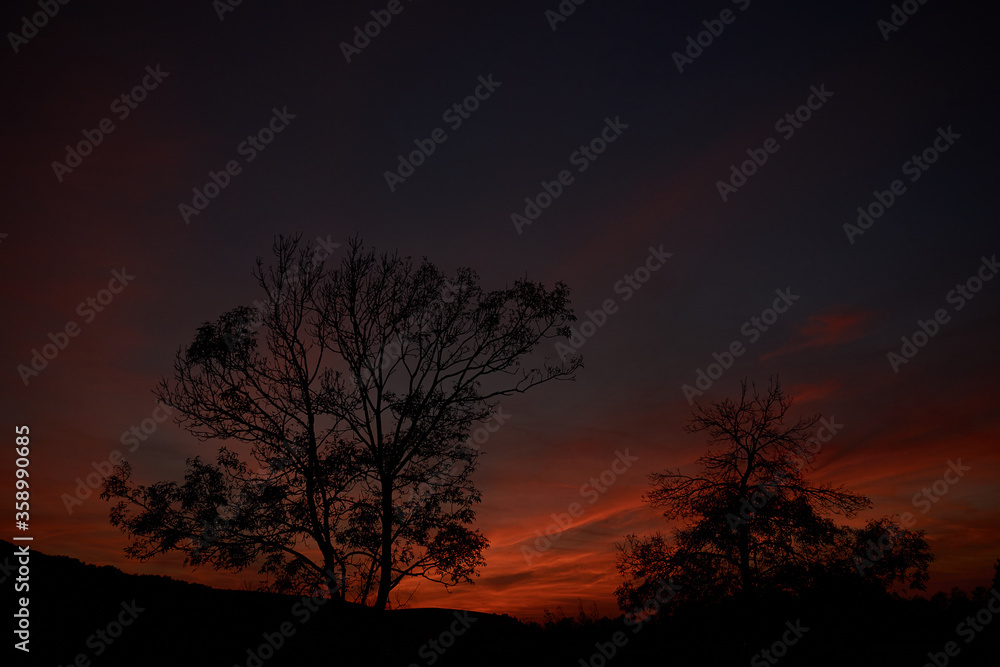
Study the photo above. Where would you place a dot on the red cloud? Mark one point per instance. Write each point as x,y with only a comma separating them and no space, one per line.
836,326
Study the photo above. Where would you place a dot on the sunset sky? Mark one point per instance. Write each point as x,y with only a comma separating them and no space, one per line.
879,98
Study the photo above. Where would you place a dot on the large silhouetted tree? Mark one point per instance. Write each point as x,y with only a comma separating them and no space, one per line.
345,400
749,519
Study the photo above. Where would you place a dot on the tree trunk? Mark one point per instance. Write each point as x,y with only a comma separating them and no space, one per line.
745,596
385,556
746,576
335,583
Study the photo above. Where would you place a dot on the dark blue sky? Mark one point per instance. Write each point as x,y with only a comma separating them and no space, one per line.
324,175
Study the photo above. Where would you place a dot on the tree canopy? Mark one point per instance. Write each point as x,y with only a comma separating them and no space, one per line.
344,402
749,519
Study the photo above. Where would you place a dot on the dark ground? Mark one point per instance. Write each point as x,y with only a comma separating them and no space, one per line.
178,623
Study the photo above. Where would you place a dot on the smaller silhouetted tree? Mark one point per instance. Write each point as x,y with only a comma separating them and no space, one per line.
750,520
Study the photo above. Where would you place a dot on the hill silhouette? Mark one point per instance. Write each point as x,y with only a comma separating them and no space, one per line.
170,622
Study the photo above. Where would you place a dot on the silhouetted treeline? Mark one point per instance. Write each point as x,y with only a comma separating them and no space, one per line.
179,623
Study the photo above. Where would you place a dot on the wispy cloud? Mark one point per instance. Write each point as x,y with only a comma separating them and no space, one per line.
837,326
